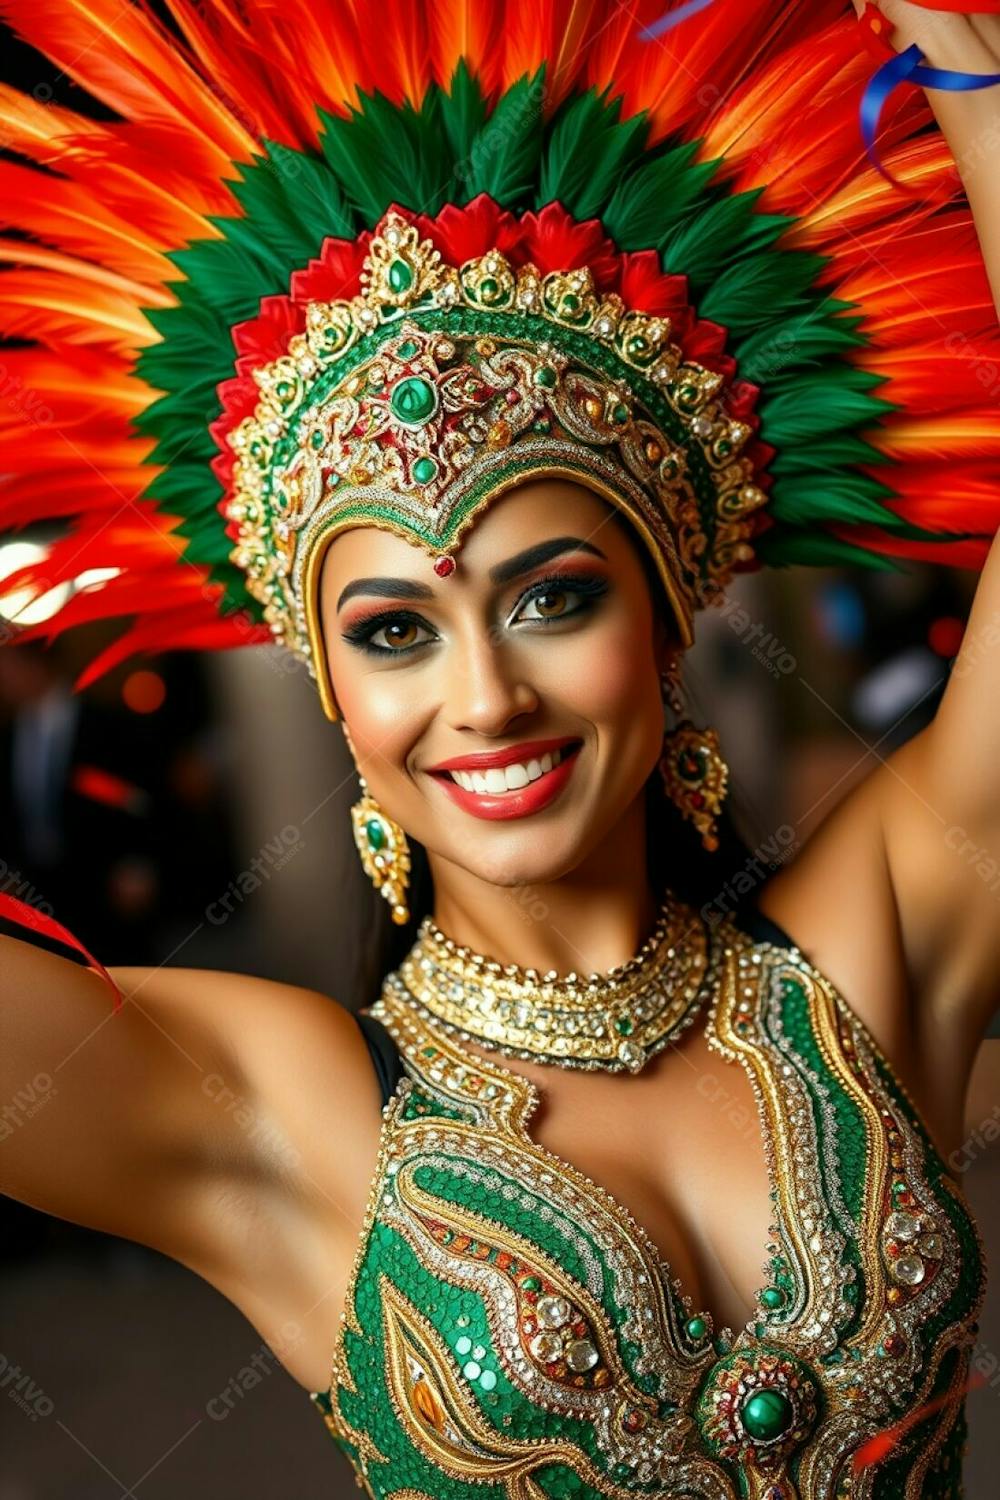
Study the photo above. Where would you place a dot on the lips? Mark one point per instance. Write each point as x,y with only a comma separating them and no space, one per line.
483,760
541,786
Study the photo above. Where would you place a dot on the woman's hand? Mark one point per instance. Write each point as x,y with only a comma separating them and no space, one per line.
948,39
969,120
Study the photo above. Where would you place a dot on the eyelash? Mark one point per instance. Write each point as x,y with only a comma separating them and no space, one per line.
591,588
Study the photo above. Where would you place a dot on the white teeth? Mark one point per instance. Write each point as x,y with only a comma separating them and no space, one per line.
507,778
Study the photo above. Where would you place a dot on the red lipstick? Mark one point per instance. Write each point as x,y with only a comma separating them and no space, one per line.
522,801
481,760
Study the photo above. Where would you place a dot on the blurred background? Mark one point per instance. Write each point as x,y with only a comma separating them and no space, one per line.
196,812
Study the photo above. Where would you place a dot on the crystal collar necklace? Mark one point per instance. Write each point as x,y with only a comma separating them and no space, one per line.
616,1020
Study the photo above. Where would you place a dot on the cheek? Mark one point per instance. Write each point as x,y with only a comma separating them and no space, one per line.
614,675
381,719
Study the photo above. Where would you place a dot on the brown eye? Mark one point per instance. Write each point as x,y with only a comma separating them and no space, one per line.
552,604
397,634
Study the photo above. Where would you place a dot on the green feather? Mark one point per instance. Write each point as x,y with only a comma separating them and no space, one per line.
835,452
814,549
808,500
820,403
753,292
463,115
295,201
775,356
651,199
504,156
586,151
716,235
386,153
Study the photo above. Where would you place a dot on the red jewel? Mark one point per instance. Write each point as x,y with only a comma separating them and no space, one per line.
696,799
443,566
512,398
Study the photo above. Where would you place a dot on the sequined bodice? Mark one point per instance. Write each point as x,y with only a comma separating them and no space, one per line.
510,1329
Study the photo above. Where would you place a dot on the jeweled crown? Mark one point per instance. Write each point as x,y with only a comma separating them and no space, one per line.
438,387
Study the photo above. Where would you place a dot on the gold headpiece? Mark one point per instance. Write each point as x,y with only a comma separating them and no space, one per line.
415,403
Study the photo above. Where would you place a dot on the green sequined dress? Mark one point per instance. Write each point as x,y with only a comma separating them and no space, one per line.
510,1330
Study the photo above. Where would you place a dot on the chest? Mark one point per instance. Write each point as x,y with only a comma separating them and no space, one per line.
509,1317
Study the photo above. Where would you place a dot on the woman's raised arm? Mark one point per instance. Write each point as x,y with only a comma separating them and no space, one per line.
139,1122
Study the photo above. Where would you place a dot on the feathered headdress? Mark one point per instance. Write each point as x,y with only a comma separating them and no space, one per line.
372,263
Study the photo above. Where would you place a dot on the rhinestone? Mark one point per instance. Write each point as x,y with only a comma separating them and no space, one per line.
930,1244
702,427
581,1355
553,1312
902,1226
631,1055
547,1347
908,1269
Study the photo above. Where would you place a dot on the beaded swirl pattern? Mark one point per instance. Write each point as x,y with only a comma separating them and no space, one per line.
510,1330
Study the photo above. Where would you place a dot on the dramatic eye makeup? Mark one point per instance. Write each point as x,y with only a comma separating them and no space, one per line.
588,584
589,587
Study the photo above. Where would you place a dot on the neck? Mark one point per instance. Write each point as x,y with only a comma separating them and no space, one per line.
586,921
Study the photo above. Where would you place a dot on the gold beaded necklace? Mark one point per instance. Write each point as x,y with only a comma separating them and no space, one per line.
617,1020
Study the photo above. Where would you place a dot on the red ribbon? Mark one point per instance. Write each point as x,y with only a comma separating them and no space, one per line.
29,916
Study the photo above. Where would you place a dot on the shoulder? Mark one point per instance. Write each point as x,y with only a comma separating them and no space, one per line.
281,1065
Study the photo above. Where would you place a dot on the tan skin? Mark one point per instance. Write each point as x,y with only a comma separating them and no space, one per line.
233,1122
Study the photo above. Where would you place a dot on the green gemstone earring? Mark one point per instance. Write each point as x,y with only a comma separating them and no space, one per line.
385,854
694,773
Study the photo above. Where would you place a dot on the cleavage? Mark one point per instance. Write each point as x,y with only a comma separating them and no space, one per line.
679,1146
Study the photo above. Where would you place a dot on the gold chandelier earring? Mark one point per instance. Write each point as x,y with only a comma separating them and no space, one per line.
385,854
381,842
695,776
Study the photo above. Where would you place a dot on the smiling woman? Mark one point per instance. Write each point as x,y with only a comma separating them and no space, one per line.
543,333
546,632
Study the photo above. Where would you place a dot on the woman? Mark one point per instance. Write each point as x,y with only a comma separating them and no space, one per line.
479,469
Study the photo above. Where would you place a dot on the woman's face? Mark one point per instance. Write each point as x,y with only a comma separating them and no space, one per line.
508,650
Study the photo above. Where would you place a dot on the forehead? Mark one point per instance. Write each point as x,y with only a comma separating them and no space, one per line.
525,514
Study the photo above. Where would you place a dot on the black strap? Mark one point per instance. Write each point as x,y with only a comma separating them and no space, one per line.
761,928
384,1053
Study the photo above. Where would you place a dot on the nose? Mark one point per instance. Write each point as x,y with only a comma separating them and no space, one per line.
487,684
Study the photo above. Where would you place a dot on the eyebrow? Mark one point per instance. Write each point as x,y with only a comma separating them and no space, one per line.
505,572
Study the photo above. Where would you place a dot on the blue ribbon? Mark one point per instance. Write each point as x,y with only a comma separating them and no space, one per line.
672,19
908,67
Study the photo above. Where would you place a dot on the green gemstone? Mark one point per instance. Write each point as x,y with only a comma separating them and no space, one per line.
424,470
692,765
696,1328
531,1284
724,447
283,389
772,1296
489,289
546,376
407,350
637,345
317,438
375,832
542,425
413,400
620,414
571,302
766,1414
624,1026
400,276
